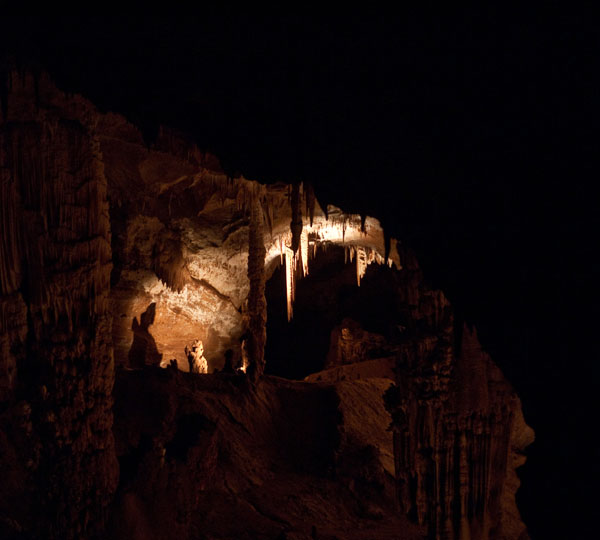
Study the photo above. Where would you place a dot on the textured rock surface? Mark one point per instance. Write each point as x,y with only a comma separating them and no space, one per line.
459,431
458,426
109,245
57,367
351,344
212,456
181,239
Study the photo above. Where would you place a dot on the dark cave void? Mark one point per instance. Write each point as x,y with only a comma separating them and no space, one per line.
323,299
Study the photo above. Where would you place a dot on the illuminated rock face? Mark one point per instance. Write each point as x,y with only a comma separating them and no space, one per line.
109,247
196,360
459,432
181,240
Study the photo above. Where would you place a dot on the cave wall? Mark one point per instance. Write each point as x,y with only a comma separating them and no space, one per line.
98,230
459,432
458,425
56,382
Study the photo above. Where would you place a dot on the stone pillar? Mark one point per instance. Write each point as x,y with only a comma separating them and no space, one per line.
257,303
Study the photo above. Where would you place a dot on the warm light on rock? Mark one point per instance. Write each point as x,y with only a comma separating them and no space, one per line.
195,356
140,257
290,266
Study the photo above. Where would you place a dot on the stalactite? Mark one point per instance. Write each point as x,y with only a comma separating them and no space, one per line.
289,282
304,252
361,264
169,264
296,223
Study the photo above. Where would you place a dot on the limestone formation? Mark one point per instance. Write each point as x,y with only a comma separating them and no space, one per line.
257,304
457,424
351,344
58,460
114,253
195,356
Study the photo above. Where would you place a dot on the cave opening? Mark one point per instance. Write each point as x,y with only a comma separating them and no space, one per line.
326,298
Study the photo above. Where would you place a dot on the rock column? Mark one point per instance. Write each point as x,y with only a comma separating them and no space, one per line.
257,303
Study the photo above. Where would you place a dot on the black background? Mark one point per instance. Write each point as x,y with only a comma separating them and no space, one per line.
471,137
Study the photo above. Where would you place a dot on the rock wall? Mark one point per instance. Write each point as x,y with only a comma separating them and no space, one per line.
459,432
350,344
57,445
109,245
458,426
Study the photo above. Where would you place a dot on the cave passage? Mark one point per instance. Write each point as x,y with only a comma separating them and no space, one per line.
322,300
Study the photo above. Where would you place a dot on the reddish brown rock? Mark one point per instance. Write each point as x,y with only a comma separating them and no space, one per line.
351,344
111,247
219,457
57,378
458,428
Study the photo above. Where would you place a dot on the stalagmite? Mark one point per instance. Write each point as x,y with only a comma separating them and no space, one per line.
257,304
195,355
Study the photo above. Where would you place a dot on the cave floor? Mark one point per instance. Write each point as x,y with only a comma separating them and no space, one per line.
214,456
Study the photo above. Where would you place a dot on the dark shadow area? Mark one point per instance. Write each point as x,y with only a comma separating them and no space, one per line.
143,349
324,298
129,463
190,428
310,429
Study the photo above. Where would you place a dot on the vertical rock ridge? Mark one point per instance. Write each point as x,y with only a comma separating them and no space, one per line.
257,303
453,416
56,239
